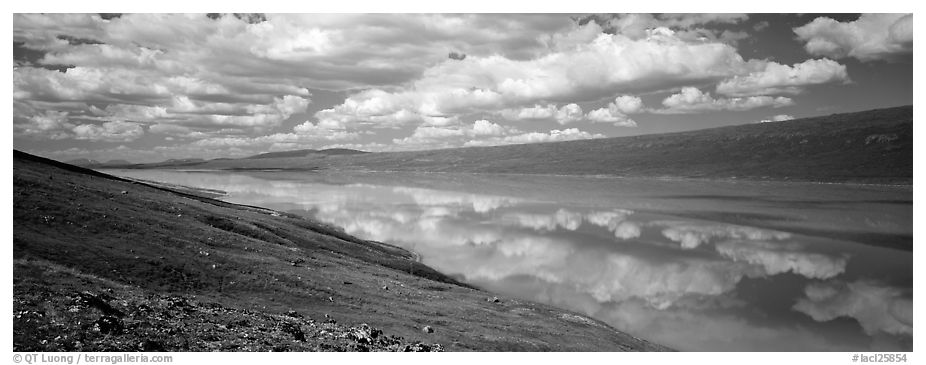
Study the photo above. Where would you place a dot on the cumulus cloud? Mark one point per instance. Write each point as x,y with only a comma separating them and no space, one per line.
761,25
305,135
616,112
535,112
776,118
49,124
568,113
437,136
776,258
555,135
876,307
144,97
203,71
615,221
690,27
775,78
871,37
587,71
480,203
562,218
690,235
115,131
693,100
484,127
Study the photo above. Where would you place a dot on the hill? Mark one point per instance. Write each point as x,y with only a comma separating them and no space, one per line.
101,263
874,146
308,152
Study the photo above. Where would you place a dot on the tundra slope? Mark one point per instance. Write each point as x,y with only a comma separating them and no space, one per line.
101,263
874,146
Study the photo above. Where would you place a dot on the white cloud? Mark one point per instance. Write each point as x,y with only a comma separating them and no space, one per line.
761,25
627,230
484,127
608,218
615,221
776,78
616,112
693,100
877,307
115,131
306,135
604,66
777,258
776,118
50,124
201,72
870,37
562,218
690,235
689,27
425,136
568,113
555,135
628,104
531,113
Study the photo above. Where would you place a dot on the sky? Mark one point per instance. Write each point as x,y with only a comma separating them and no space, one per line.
151,87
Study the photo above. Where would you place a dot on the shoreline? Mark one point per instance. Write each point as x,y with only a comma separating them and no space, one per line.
589,176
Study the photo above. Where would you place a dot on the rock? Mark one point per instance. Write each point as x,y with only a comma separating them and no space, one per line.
492,299
420,347
123,192
427,329
151,346
294,330
294,314
108,325
385,287
97,301
363,334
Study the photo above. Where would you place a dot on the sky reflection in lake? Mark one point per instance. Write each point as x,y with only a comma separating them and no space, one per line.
674,262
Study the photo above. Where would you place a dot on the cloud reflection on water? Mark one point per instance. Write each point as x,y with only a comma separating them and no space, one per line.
636,289
878,308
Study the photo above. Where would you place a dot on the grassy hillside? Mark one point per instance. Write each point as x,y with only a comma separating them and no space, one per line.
106,264
873,146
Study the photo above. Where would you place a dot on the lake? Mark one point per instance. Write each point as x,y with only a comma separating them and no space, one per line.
694,265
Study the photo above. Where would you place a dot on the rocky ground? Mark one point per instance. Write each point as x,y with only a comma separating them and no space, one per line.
52,314
107,264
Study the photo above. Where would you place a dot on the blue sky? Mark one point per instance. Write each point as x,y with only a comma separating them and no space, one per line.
148,87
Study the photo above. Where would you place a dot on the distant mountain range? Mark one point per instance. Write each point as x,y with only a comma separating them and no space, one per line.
306,153
83,162
874,146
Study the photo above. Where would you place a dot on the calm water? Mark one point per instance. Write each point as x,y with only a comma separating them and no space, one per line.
692,265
